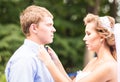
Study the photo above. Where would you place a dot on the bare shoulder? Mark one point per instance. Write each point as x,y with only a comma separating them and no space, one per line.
106,71
108,68
109,65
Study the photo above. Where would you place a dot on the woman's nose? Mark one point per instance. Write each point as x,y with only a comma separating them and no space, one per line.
84,38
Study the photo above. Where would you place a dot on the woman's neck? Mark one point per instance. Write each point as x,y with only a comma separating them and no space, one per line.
103,51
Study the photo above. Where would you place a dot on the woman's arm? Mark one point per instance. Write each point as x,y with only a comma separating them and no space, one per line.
57,62
54,65
55,72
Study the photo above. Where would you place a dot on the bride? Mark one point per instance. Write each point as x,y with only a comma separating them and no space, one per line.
100,38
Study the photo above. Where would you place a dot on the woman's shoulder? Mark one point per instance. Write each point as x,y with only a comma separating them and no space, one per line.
108,68
109,65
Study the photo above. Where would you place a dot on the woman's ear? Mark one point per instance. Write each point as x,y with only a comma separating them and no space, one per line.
101,40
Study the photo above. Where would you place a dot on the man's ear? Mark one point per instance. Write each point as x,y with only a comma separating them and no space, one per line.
33,28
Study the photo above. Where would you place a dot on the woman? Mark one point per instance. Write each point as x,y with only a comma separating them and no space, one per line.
100,39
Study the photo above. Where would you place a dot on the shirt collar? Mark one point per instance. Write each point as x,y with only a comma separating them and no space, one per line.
32,45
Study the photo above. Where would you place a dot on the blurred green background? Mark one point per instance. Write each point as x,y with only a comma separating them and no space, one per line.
68,21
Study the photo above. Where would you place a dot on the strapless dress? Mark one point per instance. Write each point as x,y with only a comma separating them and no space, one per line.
80,75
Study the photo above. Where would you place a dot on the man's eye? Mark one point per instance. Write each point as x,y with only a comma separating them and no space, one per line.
50,25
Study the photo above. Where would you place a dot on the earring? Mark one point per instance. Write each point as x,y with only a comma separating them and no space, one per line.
101,40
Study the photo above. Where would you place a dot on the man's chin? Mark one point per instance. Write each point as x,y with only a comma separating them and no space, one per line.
50,42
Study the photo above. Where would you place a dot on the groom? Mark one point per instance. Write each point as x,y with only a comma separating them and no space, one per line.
24,66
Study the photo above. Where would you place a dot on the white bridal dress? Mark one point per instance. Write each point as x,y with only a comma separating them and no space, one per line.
81,74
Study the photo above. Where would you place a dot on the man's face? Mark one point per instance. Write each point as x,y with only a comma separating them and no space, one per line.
45,31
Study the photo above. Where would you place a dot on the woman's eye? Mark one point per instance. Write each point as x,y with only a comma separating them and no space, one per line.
88,33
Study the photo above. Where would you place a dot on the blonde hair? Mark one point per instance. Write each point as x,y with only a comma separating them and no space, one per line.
32,14
103,31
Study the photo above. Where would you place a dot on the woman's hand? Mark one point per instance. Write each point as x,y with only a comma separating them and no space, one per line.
44,55
53,64
52,53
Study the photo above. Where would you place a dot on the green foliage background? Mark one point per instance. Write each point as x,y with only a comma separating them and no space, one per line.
68,21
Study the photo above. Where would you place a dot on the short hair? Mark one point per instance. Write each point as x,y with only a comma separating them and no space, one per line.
32,14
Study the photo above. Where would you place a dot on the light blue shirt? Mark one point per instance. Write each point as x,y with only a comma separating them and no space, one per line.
24,65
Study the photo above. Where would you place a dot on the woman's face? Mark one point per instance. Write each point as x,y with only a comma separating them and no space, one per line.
92,39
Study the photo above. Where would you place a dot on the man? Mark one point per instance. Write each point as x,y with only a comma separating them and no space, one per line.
24,65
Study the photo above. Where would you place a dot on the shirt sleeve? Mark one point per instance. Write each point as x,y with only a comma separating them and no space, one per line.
22,70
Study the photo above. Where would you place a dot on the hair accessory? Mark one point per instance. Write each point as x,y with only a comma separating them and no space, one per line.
106,23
